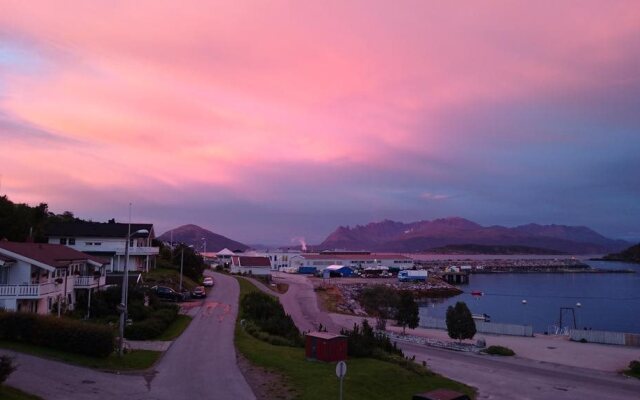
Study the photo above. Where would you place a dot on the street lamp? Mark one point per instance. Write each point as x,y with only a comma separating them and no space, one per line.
122,307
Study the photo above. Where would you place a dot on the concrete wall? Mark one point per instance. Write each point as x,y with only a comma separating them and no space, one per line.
606,337
481,327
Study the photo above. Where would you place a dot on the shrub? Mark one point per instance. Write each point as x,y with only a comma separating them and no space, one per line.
6,368
267,313
152,327
363,342
634,366
499,351
58,333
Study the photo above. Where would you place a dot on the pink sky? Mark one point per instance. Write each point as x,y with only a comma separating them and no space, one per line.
284,105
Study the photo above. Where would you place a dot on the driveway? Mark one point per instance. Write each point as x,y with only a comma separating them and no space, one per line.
201,363
495,378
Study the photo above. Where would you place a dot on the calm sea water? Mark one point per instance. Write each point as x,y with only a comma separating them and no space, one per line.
607,301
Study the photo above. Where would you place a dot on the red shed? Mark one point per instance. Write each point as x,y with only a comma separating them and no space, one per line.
325,346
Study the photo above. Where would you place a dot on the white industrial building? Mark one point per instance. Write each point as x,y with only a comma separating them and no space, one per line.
354,260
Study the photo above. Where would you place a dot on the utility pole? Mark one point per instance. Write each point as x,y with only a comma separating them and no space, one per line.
181,266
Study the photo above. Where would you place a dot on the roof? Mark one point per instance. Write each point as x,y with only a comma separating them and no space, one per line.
53,255
225,252
354,257
336,267
95,229
325,335
250,261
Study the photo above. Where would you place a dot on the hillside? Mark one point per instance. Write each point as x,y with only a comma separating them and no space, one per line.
489,249
194,235
423,235
632,254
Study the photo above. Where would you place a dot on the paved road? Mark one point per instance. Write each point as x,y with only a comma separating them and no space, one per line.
495,378
201,364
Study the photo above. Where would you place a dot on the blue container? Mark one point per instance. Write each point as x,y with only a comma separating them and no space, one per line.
307,270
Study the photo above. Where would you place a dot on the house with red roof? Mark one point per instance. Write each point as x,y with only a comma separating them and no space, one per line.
34,277
254,265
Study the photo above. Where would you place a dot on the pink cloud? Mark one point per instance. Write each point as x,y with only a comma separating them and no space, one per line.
209,94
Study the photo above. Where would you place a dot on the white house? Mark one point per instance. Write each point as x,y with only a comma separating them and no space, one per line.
280,258
224,256
108,240
35,276
254,265
354,260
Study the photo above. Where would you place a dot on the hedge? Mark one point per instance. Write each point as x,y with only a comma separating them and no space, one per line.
57,333
499,351
153,326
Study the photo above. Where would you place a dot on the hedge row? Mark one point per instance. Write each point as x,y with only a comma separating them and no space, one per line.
57,333
154,325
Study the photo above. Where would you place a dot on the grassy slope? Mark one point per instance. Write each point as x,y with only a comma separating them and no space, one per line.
366,378
169,277
176,328
135,360
9,393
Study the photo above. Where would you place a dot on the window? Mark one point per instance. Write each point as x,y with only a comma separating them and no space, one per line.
72,241
63,240
97,243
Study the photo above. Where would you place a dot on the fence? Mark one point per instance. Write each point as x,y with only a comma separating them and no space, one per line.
605,337
482,327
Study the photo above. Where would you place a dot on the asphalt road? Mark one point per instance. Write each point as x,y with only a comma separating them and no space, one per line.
494,377
201,364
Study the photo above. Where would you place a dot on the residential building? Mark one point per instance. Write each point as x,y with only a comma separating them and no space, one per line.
36,276
254,265
108,240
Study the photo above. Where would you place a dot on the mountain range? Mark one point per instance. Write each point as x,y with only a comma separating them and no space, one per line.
197,236
420,236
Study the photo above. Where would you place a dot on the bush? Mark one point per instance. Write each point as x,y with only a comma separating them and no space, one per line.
499,351
267,313
363,342
152,327
634,366
6,368
58,333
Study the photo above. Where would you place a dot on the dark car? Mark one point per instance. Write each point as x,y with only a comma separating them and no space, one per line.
166,293
199,292
440,394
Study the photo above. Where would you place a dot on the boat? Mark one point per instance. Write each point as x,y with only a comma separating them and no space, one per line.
476,293
481,317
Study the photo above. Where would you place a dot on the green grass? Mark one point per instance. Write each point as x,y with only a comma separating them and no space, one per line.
10,393
366,378
176,328
135,360
169,277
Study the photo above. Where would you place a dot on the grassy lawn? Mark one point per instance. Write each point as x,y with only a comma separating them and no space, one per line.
135,360
9,393
176,328
366,378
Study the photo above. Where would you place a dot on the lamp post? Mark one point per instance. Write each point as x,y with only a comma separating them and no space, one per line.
122,307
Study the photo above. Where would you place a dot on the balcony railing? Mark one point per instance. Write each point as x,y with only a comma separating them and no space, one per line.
89,281
29,291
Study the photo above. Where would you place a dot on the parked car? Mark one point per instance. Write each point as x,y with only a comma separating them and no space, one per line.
441,394
199,292
208,281
166,293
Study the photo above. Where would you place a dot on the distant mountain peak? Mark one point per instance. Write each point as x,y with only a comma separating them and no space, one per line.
199,237
388,235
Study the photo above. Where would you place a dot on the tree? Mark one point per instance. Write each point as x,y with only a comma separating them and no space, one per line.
460,324
6,368
407,314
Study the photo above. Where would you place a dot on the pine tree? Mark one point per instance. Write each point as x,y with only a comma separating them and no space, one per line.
408,314
460,324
